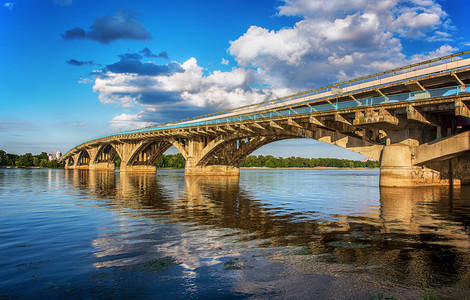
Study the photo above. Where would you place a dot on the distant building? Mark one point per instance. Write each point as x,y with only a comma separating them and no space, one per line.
368,159
56,156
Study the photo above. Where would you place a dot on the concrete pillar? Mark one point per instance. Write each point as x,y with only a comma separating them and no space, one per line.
138,168
396,169
195,148
102,166
75,162
212,170
125,152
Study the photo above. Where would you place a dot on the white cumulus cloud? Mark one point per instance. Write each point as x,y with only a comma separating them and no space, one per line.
217,90
339,39
335,40
128,121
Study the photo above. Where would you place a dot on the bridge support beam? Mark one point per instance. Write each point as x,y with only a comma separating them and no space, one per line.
396,170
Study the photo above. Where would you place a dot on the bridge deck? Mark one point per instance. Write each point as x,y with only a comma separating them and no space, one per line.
308,107
441,77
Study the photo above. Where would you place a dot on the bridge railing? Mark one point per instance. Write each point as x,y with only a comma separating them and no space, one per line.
303,108
434,93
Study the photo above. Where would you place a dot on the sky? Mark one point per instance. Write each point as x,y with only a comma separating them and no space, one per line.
74,70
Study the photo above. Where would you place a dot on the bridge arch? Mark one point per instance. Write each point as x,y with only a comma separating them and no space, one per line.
106,153
104,156
230,148
147,153
69,162
181,146
254,144
83,158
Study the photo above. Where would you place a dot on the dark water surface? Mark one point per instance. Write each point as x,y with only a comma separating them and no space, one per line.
285,234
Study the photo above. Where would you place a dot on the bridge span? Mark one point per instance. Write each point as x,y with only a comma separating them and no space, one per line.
415,120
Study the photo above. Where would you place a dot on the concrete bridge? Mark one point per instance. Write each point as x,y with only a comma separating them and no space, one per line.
415,120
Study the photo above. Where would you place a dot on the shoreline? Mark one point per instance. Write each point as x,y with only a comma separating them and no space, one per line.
241,168
35,167
301,168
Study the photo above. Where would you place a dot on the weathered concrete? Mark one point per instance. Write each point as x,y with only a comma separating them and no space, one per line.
442,148
138,168
457,168
212,170
102,166
460,168
396,170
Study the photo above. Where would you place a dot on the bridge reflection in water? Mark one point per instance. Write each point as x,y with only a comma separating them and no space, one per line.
404,241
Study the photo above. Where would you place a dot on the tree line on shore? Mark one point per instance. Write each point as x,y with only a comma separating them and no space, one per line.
177,161
270,161
28,160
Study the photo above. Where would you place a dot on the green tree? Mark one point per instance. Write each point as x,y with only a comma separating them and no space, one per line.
52,164
3,158
174,161
11,159
43,163
25,160
161,162
269,163
117,162
43,155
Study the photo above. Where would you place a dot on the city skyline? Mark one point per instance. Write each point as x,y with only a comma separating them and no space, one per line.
73,73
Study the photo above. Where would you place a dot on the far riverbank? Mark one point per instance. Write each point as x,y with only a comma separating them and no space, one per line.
304,168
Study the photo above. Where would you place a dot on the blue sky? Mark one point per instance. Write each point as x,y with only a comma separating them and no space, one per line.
73,70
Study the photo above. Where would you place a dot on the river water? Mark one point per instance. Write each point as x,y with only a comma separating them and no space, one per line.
277,234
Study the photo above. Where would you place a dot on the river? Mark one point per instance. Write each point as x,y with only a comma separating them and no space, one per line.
270,233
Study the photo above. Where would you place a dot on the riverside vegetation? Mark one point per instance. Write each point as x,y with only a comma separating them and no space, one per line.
28,160
177,161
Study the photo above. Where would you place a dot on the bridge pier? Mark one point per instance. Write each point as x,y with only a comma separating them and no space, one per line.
102,166
195,151
397,170
191,168
456,168
138,168
212,170
460,167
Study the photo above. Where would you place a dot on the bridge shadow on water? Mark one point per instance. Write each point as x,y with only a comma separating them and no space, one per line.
403,243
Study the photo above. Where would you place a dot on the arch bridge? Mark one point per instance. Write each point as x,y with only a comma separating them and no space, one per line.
415,120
